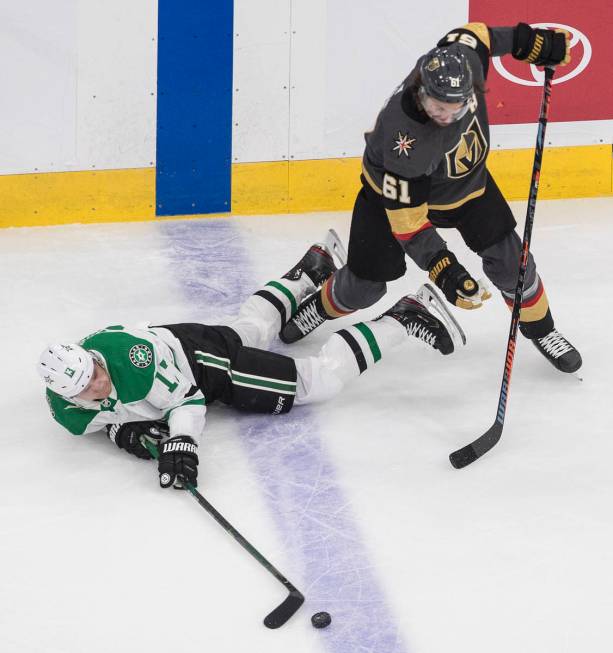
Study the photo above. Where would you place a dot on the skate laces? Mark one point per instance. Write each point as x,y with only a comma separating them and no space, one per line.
555,344
421,332
308,318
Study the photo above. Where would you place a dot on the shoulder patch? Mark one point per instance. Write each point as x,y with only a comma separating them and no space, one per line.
140,355
130,360
404,143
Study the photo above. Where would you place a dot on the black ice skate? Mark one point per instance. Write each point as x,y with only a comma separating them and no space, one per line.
307,318
558,351
412,312
318,263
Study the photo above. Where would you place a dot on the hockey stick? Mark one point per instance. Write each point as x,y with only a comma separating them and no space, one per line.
468,454
294,599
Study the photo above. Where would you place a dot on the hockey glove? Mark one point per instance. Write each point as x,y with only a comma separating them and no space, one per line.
459,288
542,47
178,462
129,436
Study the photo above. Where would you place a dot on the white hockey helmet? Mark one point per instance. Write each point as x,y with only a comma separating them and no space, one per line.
66,368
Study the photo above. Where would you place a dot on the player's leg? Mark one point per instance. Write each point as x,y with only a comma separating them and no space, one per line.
500,263
350,352
374,258
488,228
267,311
267,382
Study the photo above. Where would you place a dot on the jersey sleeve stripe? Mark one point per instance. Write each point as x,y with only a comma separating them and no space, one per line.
370,180
481,31
408,221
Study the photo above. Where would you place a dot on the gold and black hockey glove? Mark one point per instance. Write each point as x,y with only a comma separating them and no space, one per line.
542,47
459,288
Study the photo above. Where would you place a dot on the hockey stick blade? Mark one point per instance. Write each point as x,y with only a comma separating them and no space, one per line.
282,613
468,454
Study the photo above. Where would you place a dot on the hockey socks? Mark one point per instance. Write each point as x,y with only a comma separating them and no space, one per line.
347,354
265,313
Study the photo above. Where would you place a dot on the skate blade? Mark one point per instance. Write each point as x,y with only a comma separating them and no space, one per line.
432,300
335,246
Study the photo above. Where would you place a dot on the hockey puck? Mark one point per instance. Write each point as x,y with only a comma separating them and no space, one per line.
321,620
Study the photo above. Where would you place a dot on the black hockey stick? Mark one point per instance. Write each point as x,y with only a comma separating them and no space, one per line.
483,444
294,599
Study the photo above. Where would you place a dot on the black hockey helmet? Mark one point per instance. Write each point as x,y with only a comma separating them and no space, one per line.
446,74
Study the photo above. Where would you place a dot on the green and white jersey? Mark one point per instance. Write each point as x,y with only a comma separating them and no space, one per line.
151,380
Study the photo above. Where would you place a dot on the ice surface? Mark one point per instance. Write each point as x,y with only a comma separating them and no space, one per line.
354,501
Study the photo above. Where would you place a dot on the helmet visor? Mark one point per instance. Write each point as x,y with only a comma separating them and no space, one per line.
443,113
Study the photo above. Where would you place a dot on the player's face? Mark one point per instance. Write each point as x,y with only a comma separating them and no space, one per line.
99,386
442,113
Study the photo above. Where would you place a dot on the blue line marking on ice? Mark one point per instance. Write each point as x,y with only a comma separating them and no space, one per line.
314,518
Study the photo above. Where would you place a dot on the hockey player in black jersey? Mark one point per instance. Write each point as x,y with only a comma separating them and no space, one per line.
424,170
157,382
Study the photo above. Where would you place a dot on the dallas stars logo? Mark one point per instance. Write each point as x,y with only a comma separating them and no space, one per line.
403,144
141,356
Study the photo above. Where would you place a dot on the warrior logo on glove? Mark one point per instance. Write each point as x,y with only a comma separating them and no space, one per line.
178,462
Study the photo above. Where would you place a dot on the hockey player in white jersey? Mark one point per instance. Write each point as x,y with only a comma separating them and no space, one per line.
157,382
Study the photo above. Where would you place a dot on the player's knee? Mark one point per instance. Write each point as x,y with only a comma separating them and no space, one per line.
501,263
316,381
354,293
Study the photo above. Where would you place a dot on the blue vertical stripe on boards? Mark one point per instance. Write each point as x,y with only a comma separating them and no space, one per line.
194,107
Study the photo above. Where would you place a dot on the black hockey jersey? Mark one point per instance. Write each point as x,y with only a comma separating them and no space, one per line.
417,165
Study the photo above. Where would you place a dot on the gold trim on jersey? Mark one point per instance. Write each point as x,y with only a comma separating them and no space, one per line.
455,205
480,31
409,219
468,153
370,180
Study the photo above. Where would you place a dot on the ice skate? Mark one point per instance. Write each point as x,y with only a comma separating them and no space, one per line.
440,331
318,263
558,351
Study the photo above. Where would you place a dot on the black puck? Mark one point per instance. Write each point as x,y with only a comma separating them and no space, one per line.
321,620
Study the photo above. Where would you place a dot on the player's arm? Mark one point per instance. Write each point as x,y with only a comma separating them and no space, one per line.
541,47
184,406
406,205
75,419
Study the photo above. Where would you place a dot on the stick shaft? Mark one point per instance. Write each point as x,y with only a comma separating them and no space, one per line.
519,289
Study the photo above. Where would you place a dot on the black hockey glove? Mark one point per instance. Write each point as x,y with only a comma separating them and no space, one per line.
178,458
453,279
542,47
129,436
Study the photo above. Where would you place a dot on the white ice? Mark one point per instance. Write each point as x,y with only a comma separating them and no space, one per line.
355,501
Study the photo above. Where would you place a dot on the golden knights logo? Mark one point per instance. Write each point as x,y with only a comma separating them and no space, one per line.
468,153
